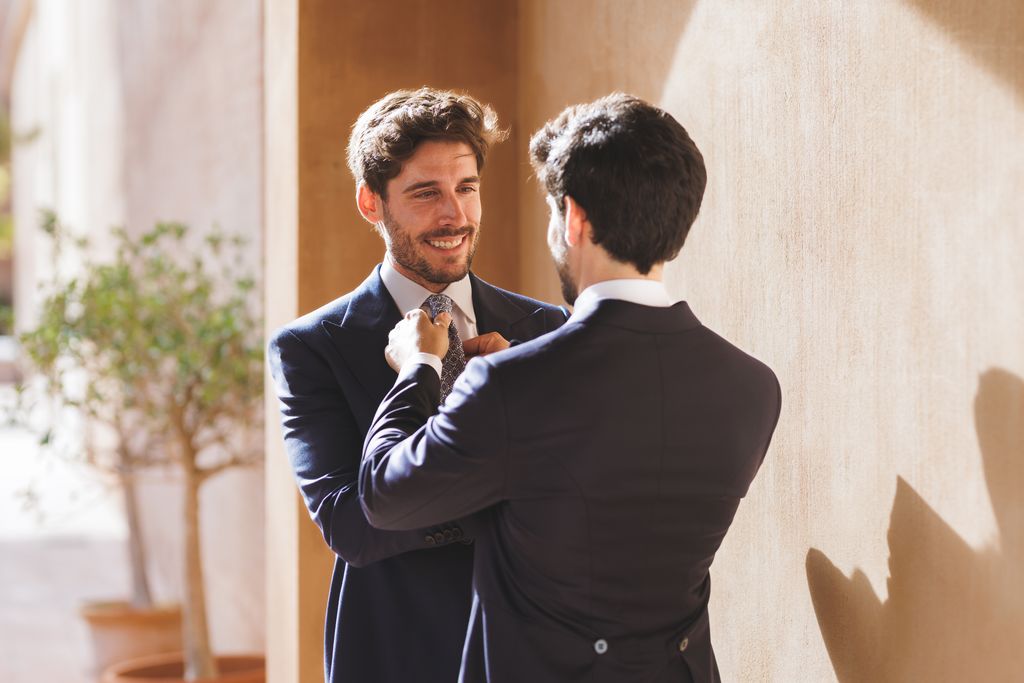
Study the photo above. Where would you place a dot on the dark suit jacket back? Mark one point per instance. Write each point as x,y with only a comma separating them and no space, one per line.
613,454
399,600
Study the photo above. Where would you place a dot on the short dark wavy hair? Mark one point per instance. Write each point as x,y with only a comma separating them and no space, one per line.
387,134
631,167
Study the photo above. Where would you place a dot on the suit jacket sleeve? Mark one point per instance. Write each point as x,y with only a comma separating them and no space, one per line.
323,443
419,470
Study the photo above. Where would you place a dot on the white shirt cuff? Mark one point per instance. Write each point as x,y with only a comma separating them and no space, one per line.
424,359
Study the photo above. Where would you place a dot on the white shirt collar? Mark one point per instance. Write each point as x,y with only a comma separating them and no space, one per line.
409,295
637,291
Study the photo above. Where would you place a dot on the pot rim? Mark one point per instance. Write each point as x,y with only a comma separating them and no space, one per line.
134,669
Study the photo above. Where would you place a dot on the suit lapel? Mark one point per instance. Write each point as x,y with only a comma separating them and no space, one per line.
361,333
360,338
496,313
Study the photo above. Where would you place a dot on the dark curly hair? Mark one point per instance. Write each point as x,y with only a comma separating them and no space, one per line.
631,167
387,134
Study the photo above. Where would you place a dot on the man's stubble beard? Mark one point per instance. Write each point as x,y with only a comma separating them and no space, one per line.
570,291
403,250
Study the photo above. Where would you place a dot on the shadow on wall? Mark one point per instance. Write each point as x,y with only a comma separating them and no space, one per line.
953,614
990,31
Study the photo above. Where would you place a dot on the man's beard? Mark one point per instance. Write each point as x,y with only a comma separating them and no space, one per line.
404,251
570,291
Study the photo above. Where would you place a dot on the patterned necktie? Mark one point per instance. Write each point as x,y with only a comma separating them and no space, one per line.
454,362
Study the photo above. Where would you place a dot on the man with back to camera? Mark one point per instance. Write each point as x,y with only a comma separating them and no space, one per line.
399,600
608,457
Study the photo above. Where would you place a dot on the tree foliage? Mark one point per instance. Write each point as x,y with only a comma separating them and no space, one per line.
159,347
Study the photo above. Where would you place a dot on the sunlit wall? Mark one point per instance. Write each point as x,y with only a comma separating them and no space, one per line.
863,233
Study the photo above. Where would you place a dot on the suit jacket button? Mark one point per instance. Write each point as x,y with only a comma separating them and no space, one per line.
683,644
429,540
439,537
600,646
448,535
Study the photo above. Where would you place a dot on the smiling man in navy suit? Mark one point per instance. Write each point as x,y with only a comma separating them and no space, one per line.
400,600
606,460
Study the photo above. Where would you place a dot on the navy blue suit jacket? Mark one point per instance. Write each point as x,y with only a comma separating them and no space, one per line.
609,458
399,600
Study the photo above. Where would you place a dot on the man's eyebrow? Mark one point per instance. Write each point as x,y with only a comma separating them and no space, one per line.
419,186
433,183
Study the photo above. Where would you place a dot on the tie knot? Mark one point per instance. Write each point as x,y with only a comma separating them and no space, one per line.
437,304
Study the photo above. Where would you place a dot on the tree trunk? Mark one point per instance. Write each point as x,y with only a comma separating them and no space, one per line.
199,662
142,598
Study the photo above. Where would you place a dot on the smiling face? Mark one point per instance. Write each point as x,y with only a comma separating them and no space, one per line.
431,217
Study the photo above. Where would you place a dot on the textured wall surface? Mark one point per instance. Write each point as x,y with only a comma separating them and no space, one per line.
68,127
192,74
863,233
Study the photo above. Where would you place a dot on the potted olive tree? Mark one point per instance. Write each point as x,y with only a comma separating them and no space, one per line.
161,355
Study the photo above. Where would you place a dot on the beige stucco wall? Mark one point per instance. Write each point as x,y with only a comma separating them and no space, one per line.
863,233
67,125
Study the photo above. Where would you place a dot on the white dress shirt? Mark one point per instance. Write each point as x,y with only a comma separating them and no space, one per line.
636,291
409,295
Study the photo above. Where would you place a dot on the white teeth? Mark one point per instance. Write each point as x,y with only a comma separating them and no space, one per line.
445,244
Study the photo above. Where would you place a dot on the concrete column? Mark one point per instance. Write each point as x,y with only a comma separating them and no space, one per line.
325,63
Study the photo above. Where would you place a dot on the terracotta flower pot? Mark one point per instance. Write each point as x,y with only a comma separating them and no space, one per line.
121,632
171,669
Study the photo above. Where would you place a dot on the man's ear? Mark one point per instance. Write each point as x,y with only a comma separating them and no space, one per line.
577,227
370,204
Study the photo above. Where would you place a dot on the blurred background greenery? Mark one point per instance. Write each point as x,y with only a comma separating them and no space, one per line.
6,226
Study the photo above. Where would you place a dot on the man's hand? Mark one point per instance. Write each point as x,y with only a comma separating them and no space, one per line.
484,344
417,333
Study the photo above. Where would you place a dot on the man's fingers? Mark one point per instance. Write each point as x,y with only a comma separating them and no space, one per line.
417,333
484,344
477,345
471,347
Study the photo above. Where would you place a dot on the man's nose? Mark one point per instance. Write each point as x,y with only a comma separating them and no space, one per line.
452,212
